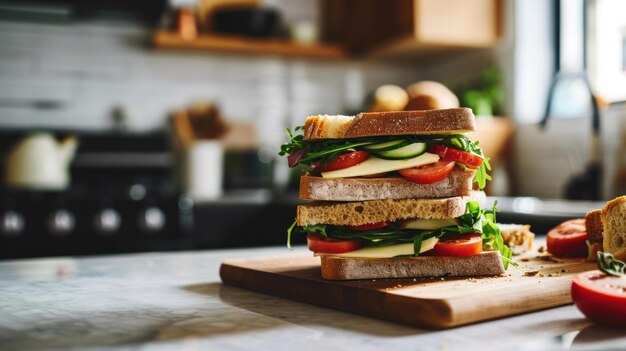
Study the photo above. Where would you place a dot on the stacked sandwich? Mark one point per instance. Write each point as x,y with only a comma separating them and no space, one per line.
391,195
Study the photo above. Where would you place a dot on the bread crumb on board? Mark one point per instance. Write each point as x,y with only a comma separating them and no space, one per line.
531,273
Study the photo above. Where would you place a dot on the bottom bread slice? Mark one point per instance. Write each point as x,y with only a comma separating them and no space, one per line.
488,263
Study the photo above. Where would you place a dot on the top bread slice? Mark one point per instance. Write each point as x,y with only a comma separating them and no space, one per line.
370,124
614,227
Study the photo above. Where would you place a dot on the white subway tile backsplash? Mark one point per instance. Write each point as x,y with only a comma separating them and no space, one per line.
92,68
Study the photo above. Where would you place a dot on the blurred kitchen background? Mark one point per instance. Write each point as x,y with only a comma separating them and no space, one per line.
144,125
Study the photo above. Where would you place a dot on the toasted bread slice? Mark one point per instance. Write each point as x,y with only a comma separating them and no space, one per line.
614,227
458,183
518,237
368,124
488,263
593,223
366,212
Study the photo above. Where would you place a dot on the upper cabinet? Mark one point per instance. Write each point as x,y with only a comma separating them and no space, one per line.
410,28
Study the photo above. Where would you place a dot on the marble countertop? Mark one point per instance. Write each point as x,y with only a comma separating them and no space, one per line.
175,301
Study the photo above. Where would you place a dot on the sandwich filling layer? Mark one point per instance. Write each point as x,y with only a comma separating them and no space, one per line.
423,159
466,235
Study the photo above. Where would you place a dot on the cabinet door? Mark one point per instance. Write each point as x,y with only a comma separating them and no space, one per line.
366,26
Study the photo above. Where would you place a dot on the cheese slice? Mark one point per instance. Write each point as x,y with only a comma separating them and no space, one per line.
374,165
387,251
428,224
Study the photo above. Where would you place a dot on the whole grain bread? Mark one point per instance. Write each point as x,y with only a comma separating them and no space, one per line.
458,183
488,263
518,237
367,124
593,223
614,227
366,212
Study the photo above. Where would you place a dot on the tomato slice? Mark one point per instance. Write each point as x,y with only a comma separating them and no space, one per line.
465,245
568,239
428,174
318,244
369,226
600,297
452,154
346,160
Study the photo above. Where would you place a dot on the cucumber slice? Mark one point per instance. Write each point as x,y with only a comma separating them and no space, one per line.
386,146
408,151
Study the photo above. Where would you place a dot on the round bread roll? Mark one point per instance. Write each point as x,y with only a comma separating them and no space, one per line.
429,95
389,98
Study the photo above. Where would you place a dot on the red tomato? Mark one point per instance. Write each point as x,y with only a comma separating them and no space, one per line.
452,154
568,239
466,245
346,160
427,174
600,297
369,226
318,244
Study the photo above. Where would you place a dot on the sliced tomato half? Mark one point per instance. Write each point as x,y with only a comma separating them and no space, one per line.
346,160
600,297
568,239
369,226
428,174
465,245
452,154
318,244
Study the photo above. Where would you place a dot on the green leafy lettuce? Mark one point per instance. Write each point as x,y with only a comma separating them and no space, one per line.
475,220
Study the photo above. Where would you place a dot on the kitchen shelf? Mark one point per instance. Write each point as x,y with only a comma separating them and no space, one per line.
234,44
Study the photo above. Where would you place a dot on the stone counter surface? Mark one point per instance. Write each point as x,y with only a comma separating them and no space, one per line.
175,301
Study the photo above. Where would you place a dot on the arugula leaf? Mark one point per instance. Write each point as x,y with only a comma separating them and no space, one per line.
317,228
417,244
289,231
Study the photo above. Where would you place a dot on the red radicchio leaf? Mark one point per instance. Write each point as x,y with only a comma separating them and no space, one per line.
294,157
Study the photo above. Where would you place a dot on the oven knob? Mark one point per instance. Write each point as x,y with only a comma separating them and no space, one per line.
152,219
61,222
12,223
107,221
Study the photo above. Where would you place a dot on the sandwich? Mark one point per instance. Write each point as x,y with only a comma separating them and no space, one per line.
391,196
606,229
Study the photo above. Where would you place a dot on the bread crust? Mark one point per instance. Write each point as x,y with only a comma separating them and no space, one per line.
488,263
458,183
368,124
614,227
366,212
593,223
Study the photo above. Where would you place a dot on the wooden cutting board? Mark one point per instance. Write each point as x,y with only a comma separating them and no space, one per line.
537,283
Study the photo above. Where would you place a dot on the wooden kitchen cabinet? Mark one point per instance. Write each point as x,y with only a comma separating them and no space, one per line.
406,28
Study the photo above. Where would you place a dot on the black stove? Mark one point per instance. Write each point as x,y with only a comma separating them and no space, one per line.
122,198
